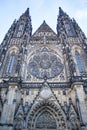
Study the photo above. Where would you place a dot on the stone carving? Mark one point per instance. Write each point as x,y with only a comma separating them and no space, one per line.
55,104
72,67
73,118
46,121
46,92
45,65
18,124
19,119
44,114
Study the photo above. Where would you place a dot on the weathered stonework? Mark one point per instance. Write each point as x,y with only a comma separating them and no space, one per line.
43,77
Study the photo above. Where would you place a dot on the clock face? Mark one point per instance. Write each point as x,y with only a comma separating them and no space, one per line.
45,64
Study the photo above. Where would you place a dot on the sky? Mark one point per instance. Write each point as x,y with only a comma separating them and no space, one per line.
41,10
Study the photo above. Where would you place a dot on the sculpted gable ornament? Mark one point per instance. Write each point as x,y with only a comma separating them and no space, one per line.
45,92
43,77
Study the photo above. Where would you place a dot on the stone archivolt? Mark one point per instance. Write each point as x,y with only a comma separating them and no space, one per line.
54,115
42,85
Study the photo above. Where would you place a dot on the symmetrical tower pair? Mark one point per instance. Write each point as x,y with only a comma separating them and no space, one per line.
43,76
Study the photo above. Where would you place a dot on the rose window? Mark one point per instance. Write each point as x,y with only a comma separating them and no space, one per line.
45,65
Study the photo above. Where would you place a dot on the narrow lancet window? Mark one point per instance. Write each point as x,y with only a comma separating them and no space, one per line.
68,30
19,34
80,63
21,27
10,64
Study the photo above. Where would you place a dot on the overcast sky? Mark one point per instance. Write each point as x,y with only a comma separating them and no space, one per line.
41,10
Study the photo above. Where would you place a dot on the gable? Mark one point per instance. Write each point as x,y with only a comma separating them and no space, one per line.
44,33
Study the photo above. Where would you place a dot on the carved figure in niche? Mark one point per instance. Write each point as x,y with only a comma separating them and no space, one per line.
74,122
74,126
28,76
72,67
18,68
18,124
26,107
62,76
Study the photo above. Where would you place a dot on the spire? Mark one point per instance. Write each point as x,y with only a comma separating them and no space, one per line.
27,12
78,29
61,12
44,22
63,16
27,18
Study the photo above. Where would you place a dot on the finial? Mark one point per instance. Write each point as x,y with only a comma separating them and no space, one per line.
44,21
61,12
45,78
27,12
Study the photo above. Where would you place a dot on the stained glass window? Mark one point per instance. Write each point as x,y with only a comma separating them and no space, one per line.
20,30
80,63
68,29
21,27
10,64
19,34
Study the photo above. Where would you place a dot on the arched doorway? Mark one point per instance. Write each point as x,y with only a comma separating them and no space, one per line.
45,121
46,116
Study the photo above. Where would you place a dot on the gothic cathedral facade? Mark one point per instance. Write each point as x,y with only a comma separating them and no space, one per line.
43,76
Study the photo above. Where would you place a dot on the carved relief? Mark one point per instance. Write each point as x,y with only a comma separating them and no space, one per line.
49,111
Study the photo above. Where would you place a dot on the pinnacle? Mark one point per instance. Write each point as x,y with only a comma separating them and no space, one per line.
61,12
27,12
44,21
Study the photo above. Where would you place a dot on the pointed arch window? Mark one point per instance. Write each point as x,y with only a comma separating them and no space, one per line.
80,63
68,29
21,27
19,34
10,64
20,30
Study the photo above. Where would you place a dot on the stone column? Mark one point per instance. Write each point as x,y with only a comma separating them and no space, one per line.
8,109
81,104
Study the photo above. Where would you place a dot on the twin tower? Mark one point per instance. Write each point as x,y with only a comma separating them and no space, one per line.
43,76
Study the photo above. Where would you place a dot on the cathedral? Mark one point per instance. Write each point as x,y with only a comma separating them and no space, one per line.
43,76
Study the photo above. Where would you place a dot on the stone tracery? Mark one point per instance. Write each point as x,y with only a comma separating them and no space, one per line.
45,64
53,112
25,103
